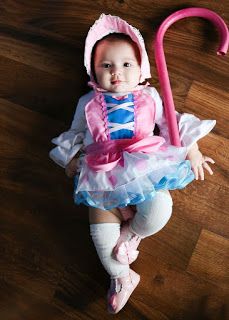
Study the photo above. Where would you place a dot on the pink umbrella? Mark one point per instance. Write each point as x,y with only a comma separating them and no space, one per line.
161,63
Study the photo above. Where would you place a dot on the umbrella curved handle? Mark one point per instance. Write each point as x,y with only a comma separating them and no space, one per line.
161,63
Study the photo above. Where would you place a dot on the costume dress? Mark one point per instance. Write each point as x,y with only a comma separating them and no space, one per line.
122,161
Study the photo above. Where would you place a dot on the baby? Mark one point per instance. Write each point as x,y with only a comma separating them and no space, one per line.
116,159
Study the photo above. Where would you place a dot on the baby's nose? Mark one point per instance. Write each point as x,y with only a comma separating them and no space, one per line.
116,70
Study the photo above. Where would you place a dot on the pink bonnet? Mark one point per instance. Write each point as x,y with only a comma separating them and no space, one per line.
107,24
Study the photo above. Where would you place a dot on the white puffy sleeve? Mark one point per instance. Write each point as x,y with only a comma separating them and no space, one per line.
191,128
70,142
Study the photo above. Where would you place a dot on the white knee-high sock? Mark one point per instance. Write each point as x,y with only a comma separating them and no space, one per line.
152,215
105,237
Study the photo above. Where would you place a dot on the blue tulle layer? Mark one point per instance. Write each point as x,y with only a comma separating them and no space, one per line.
138,190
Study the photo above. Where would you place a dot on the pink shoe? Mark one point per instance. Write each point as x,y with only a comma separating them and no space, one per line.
120,291
125,250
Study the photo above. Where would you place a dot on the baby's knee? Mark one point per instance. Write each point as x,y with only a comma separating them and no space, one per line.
162,207
155,214
164,202
161,204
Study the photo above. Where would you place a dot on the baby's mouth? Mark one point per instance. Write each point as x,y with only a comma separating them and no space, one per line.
115,82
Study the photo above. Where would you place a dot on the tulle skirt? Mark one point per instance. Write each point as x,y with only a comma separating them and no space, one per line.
135,179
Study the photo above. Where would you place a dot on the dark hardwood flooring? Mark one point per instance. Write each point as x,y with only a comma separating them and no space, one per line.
49,269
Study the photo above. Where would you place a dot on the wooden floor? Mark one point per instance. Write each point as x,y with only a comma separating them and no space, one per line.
49,269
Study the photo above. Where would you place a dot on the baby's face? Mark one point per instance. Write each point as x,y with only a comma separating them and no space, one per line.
117,67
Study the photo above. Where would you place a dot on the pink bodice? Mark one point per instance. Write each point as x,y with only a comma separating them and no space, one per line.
104,154
144,116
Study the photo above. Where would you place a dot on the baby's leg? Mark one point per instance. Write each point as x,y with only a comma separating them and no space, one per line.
104,216
152,215
105,231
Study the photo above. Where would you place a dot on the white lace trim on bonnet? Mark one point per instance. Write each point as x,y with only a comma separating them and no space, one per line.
107,24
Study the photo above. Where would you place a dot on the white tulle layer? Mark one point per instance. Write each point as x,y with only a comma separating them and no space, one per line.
134,181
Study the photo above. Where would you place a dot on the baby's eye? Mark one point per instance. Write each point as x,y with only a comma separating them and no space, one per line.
127,64
106,65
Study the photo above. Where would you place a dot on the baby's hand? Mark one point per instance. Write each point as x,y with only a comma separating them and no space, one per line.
199,162
71,168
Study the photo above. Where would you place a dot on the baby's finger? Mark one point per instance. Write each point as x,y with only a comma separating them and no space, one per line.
207,167
195,170
208,159
201,172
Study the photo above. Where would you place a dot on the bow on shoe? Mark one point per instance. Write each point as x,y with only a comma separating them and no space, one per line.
125,253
